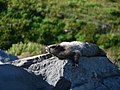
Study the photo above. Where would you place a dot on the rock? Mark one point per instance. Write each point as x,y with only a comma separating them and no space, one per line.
16,78
26,62
62,84
5,57
51,69
93,73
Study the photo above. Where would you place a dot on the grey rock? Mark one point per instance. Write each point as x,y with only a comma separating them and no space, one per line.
16,78
26,62
5,57
51,69
92,73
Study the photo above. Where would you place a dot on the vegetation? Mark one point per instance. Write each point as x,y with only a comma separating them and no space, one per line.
27,49
53,21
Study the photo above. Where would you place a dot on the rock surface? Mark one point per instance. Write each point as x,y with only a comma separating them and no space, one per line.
93,73
5,57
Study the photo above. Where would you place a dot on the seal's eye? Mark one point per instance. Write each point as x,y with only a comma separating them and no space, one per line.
60,48
53,47
57,46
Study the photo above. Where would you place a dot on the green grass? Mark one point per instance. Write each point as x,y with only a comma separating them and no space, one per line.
26,49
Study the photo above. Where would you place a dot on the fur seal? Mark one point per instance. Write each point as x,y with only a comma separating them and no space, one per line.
74,50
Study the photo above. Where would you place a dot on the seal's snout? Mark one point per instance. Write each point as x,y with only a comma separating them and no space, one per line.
47,49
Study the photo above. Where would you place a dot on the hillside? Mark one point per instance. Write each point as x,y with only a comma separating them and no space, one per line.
53,21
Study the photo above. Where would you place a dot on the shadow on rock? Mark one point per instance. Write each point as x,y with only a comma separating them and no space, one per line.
62,84
16,78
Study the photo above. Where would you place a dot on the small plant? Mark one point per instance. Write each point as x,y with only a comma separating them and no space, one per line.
26,49
118,57
117,60
111,0
113,54
108,40
113,11
87,33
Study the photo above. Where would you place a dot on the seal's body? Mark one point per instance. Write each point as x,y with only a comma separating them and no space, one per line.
74,50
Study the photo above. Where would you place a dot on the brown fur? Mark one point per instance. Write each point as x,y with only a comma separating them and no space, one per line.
74,50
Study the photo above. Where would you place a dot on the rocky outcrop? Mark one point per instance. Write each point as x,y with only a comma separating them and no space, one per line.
93,73
5,57
27,62
44,72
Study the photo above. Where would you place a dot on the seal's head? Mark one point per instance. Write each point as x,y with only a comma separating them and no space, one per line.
54,49
57,50
64,51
